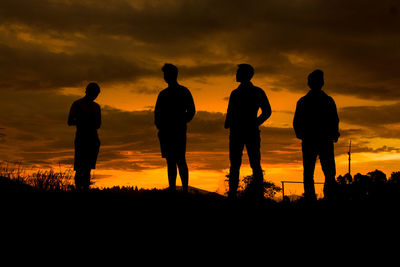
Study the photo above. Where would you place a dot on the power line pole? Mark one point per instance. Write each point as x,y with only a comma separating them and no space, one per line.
349,153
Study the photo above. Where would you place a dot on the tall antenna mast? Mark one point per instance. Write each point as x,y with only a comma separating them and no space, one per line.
349,153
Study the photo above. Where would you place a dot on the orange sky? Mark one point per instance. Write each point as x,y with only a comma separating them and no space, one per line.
210,96
50,50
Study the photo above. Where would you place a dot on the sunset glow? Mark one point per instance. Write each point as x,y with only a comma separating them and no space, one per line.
51,49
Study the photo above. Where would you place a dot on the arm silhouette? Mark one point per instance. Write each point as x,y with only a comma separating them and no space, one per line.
265,111
157,113
298,121
228,119
335,122
190,108
73,116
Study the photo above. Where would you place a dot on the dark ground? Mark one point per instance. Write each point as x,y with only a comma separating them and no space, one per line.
164,207
156,220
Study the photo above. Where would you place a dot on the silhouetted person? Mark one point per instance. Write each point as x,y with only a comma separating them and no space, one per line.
316,123
243,122
85,114
174,109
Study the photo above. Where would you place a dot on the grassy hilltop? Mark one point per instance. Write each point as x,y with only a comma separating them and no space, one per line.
52,193
197,217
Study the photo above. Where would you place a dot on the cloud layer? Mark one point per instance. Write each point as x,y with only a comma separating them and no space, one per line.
51,44
34,131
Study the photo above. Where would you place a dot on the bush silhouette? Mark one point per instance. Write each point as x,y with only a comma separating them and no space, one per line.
394,178
247,188
372,186
51,181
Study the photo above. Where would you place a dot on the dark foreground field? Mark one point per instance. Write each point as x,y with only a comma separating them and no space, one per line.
158,224
164,207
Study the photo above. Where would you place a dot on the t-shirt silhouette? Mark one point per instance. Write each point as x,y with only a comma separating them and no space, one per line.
244,103
86,115
316,117
174,109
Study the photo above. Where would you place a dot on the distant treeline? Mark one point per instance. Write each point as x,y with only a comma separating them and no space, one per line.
374,185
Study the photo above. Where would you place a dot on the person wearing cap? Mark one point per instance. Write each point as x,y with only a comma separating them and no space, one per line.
243,121
174,109
85,114
316,123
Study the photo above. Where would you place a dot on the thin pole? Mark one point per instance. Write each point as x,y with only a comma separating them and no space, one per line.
349,153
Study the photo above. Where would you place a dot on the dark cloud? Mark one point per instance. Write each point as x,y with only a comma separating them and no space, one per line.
35,68
32,69
376,121
202,70
355,44
371,116
145,90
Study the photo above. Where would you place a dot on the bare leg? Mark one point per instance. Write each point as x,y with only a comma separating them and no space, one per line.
86,180
184,174
78,180
253,151
82,180
327,159
309,159
172,172
236,146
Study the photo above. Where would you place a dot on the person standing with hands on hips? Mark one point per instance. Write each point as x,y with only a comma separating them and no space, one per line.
243,122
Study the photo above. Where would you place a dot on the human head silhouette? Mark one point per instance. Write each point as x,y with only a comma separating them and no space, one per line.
316,80
170,73
244,73
92,91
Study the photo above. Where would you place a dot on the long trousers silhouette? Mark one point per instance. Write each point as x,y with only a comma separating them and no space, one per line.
325,151
236,146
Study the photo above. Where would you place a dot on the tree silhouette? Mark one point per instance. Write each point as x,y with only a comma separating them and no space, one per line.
372,186
377,176
248,186
346,179
394,178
